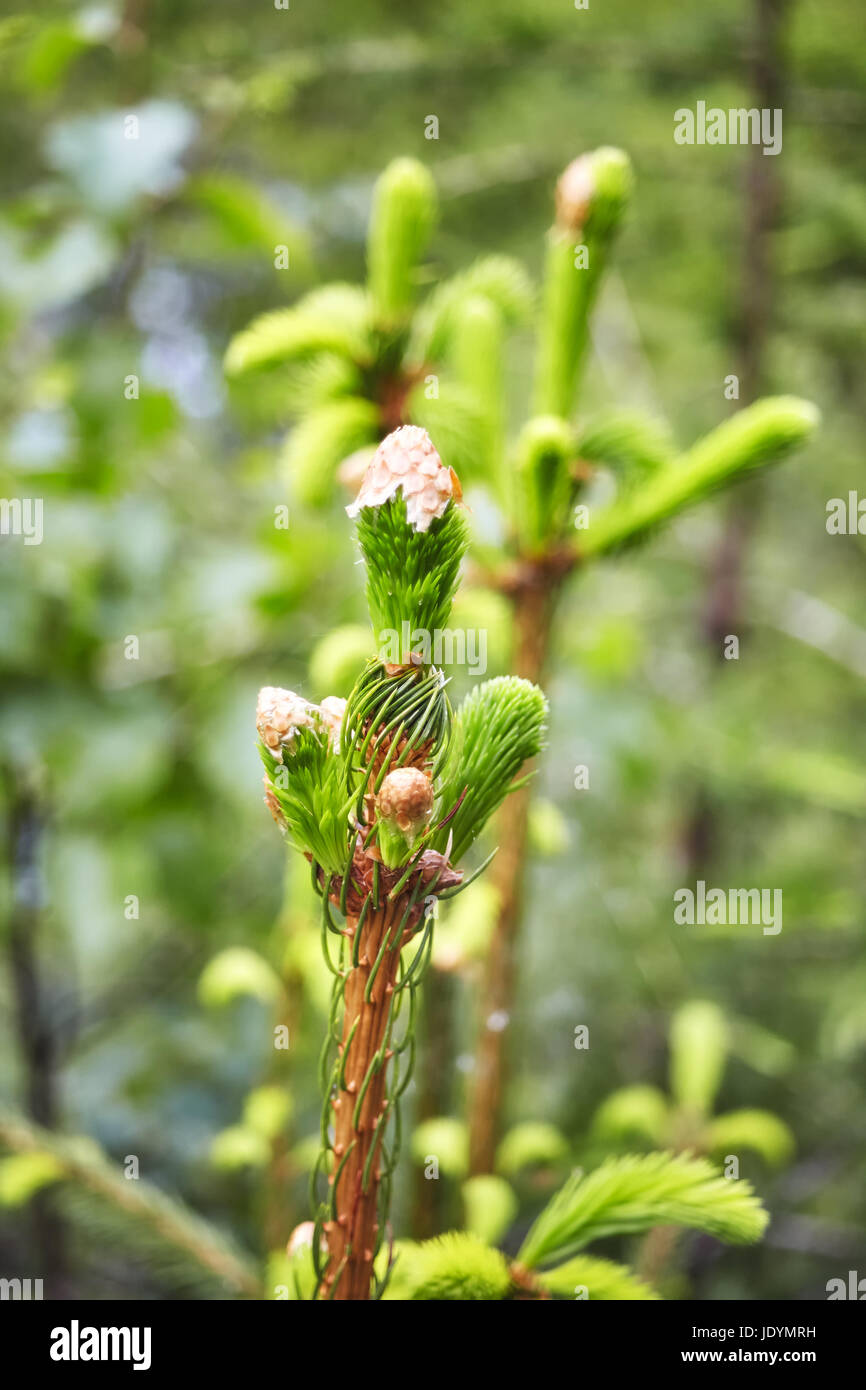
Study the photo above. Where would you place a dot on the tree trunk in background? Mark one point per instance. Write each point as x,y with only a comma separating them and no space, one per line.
534,604
724,599
763,196
724,604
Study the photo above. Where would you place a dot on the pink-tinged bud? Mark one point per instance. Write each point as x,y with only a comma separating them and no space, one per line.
407,460
574,194
302,1237
351,471
406,800
279,715
333,708
273,804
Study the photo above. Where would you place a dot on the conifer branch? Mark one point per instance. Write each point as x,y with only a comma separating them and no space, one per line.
353,785
629,1195
591,198
140,1209
405,209
761,434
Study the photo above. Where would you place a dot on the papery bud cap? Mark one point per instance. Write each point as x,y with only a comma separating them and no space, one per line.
407,459
302,1237
332,709
597,184
574,193
279,715
353,469
273,804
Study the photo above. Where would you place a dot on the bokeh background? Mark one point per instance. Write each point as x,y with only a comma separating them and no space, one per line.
135,849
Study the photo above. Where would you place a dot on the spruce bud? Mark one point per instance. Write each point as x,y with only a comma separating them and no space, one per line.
404,807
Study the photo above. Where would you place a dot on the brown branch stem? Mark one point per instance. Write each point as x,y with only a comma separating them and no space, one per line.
365,1035
534,602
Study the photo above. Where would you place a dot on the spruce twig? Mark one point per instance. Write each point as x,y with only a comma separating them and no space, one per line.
354,787
143,1210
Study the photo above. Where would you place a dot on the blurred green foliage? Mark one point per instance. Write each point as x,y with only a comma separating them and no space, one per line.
136,849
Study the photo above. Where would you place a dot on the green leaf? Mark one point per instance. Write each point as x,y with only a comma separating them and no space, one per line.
309,784
337,658
466,925
496,730
478,355
412,576
405,209
490,1205
543,457
317,445
53,49
239,1147
297,1269
236,972
412,704
498,279
762,1049
479,610
394,1260
532,1144
279,1270
455,420
267,1110
332,319
249,217
578,251
313,382
758,1130
631,444
586,1277
292,389
698,1052
446,1140
456,1266
760,434
133,1214
633,1113
305,1153
631,1194
23,1175
825,779
549,834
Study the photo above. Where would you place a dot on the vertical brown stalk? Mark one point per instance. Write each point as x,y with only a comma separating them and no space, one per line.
534,601
724,598
762,205
352,1237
